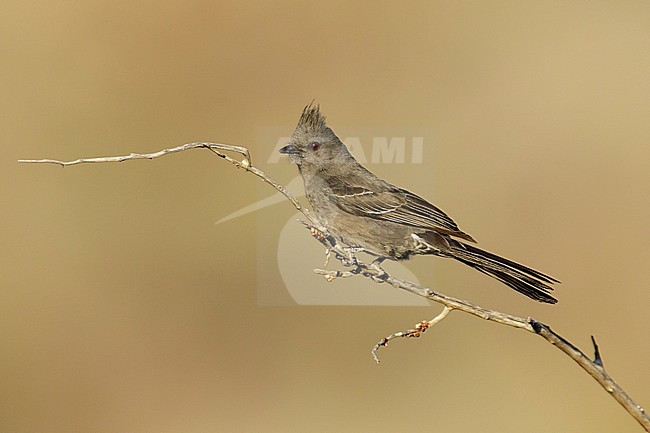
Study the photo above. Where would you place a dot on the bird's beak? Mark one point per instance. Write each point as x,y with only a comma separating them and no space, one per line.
290,149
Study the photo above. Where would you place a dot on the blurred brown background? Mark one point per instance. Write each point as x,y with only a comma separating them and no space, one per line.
123,308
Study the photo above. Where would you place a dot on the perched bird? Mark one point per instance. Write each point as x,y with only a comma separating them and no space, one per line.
369,214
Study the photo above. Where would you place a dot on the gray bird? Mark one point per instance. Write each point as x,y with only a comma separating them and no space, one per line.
366,213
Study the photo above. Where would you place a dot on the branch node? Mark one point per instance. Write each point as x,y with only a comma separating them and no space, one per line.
537,326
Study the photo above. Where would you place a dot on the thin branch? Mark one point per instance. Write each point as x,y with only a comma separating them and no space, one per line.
246,164
594,368
197,145
418,330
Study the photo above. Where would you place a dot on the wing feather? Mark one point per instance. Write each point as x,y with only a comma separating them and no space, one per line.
395,205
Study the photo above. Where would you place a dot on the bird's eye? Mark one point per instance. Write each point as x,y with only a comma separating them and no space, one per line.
314,145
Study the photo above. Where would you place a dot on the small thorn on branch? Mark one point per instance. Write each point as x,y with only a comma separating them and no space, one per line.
597,359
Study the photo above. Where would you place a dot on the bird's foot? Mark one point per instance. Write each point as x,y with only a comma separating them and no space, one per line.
375,266
351,260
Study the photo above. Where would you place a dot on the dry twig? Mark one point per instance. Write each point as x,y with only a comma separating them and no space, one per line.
594,368
419,329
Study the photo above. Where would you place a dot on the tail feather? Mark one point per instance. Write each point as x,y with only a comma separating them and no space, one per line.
523,279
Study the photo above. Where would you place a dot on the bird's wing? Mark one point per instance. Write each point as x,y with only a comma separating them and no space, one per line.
395,205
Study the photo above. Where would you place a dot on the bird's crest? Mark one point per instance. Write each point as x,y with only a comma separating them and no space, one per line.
311,120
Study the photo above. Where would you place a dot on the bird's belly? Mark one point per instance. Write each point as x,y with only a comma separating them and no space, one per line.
379,238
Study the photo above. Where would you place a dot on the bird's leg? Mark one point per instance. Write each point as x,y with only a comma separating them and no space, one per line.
377,262
351,259
376,266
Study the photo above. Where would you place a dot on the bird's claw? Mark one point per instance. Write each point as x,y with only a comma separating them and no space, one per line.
351,260
380,275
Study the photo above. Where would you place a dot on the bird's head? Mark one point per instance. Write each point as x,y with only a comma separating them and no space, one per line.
313,144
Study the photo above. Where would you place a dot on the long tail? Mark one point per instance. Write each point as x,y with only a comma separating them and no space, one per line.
523,279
